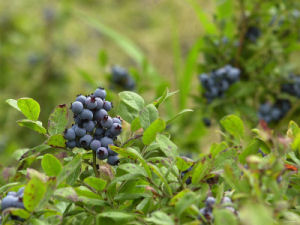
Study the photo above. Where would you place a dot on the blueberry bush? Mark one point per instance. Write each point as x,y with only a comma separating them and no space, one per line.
212,139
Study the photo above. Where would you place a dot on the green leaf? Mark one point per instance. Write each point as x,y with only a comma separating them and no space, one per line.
157,171
33,193
164,97
69,169
34,125
57,140
147,115
29,107
160,218
184,202
96,183
130,152
224,216
13,103
150,133
114,216
178,115
166,145
130,105
254,213
200,170
58,120
87,77
51,165
135,124
233,125
182,164
20,213
251,149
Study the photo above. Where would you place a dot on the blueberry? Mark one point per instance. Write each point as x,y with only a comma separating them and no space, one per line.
69,134
89,126
12,193
117,120
107,122
210,201
81,98
21,192
100,92
275,113
105,141
77,107
85,141
113,160
71,144
253,33
130,84
91,103
86,114
95,144
102,153
226,200
206,121
77,120
100,114
119,74
116,129
80,132
99,102
107,105
8,202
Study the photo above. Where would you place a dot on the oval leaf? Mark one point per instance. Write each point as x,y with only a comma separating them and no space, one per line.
51,165
33,193
29,107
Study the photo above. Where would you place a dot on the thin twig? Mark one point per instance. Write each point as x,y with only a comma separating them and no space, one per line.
96,171
133,138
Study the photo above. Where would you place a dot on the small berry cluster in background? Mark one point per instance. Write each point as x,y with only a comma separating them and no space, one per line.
218,82
94,129
189,179
292,87
273,113
121,78
207,211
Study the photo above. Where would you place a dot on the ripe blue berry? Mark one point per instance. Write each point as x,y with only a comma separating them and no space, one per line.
86,114
71,144
8,202
210,201
77,107
85,141
102,153
99,102
116,129
95,144
107,122
20,192
113,160
89,126
107,105
81,98
99,131
70,134
100,92
91,103
117,120
105,141
12,193
100,114
80,132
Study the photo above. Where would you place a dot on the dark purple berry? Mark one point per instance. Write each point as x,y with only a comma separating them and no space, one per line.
95,144
81,98
80,132
77,107
105,141
100,92
85,141
69,134
100,114
107,122
99,102
107,105
89,126
116,129
86,114
91,102
71,144
101,153
113,160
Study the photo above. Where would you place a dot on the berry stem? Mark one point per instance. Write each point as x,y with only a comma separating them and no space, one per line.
96,171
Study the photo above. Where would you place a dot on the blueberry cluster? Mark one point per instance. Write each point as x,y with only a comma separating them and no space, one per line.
13,200
293,86
219,81
273,113
94,129
189,179
121,78
253,33
207,211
